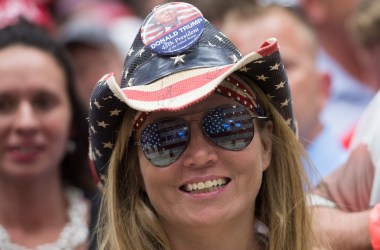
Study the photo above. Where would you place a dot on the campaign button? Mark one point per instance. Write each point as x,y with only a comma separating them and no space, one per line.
172,28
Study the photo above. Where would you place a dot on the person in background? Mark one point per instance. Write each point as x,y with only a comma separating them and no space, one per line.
249,24
192,152
98,36
353,80
48,197
347,205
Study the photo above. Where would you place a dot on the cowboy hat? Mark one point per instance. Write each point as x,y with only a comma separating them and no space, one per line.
175,69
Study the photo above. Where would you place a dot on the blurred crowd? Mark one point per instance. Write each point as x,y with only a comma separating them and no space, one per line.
331,53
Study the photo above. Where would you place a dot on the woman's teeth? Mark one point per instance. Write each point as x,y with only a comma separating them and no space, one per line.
207,186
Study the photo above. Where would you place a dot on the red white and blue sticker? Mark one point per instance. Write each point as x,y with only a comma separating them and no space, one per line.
172,28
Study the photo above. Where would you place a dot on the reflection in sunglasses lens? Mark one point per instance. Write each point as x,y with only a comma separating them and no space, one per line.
229,127
163,141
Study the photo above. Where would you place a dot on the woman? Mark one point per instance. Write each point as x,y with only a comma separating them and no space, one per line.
45,181
197,149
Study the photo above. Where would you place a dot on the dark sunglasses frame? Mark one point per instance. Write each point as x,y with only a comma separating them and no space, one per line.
185,126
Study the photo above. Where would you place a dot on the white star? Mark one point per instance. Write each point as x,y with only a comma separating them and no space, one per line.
288,121
93,129
115,112
211,45
274,67
262,77
131,51
126,72
102,124
178,59
97,104
234,58
280,85
98,153
260,61
141,51
219,38
222,33
108,145
270,96
106,98
244,69
131,81
285,103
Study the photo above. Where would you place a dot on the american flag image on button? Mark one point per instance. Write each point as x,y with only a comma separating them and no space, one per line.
172,28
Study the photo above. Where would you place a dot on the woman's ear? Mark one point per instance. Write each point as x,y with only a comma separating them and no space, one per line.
266,140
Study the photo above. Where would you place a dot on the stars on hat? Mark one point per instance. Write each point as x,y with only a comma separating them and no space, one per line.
126,72
140,52
97,152
130,52
106,98
115,112
285,103
179,59
97,104
211,45
259,61
244,69
108,145
221,33
234,58
275,67
262,77
102,124
130,82
280,85
92,129
219,38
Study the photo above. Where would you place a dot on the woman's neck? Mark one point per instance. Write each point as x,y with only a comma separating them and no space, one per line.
227,236
32,203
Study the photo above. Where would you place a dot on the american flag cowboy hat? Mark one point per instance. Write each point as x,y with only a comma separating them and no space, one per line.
172,79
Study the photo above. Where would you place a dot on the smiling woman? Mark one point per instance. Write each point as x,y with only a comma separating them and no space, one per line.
44,175
197,149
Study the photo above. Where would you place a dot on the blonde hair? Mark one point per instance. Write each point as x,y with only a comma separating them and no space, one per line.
128,222
281,203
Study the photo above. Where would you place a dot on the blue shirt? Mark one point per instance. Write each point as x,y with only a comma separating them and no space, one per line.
326,153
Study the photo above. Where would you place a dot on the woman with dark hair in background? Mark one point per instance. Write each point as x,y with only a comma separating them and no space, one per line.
46,189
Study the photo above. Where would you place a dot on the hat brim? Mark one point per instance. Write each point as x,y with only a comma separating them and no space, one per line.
184,88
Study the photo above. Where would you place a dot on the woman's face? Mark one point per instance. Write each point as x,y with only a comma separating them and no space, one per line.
203,163
35,112
166,15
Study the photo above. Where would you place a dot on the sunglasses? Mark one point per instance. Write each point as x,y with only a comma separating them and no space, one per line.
230,127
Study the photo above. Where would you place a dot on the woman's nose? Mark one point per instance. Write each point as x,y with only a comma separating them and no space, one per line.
26,120
200,152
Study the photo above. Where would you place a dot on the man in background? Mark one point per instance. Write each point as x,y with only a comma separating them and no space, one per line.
248,26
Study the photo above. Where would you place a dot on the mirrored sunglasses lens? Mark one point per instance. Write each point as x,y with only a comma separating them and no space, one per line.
163,142
230,127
